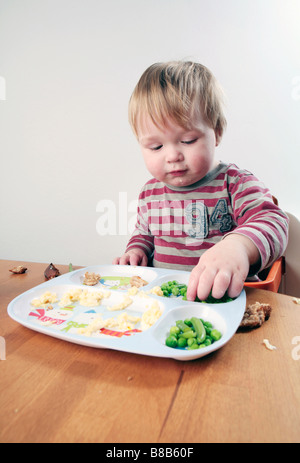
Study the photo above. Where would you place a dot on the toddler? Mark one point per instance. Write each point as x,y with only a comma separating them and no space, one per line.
198,214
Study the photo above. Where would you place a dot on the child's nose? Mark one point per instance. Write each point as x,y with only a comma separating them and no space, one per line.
174,154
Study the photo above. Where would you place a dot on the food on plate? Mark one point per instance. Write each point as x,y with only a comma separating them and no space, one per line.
155,290
150,316
269,346
84,297
91,278
132,291
70,297
88,298
121,305
122,322
255,315
51,272
44,300
137,281
192,333
92,298
19,269
175,289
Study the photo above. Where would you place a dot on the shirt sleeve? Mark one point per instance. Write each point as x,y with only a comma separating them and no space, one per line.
141,237
259,218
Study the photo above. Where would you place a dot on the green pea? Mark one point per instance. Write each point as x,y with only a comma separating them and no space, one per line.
188,322
174,330
215,335
207,342
189,334
182,326
207,324
171,341
208,330
193,346
191,341
175,291
182,342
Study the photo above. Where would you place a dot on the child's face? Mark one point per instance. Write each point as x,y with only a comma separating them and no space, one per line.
177,156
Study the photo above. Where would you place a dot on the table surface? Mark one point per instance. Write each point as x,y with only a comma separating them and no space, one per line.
56,391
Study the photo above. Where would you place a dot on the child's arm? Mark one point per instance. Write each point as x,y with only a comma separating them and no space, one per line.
258,240
141,243
224,267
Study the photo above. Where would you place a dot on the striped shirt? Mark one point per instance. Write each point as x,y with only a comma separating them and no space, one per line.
179,224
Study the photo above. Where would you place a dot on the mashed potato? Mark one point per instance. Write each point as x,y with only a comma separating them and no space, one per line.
123,322
156,290
84,297
150,316
46,299
88,298
122,305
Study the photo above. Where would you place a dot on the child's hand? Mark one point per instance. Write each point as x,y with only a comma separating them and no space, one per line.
133,257
223,267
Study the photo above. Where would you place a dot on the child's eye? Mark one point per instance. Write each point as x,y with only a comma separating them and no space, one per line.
156,148
189,142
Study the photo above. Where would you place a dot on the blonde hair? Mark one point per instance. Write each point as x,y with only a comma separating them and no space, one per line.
181,91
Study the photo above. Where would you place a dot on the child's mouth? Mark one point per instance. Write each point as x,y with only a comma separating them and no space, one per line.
177,173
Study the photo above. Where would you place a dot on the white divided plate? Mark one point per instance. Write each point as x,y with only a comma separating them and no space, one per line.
64,322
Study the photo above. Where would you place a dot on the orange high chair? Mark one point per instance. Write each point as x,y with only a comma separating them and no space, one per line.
270,278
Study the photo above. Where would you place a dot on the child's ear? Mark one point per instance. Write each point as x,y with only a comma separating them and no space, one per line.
218,137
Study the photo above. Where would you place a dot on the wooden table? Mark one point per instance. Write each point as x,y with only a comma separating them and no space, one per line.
55,391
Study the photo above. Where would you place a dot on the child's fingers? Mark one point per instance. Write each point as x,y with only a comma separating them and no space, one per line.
131,258
135,259
200,283
124,260
221,283
144,261
206,282
236,285
192,285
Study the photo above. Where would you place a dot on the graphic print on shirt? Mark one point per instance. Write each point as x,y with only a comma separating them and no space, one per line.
189,218
197,216
221,216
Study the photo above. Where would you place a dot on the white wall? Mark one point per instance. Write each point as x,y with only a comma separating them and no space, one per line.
67,69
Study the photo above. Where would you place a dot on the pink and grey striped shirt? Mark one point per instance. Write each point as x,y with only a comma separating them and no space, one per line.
179,224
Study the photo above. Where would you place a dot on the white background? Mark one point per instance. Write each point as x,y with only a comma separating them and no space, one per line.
69,67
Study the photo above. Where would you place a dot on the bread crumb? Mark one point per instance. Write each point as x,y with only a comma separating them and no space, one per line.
269,346
255,315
